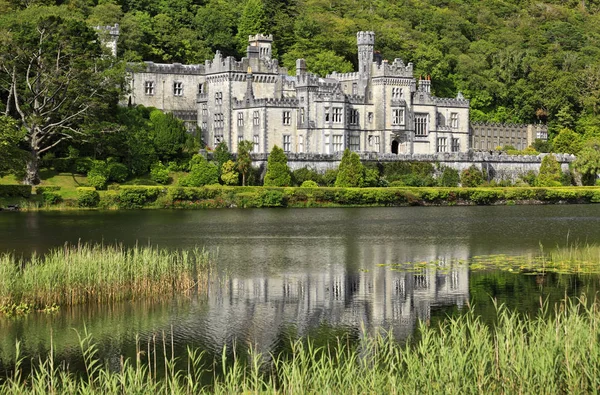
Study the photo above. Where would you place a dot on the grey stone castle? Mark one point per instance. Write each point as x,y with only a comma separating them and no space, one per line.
381,108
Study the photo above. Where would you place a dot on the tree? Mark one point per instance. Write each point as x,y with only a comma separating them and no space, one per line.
351,171
54,78
588,161
168,134
228,174
244,161
252,21
278,172
567,142
11,136
221,155
550,172
202,172
471,177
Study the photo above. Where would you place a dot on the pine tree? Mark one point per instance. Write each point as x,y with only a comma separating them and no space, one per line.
278,172
549,172
252,21
351,171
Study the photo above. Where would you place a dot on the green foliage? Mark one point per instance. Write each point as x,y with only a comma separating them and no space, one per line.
371,177
471,177
132,197
588,161
117,172
278,172
87,197
11,137
329,177
350,171
98,175
244,160
51,197
159,173
567,142
303,174
449,177
309,184
168,135
543,146
202,173
228,174
15,190
550,172
222,155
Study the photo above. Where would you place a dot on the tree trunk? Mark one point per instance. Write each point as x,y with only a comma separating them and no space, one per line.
32,176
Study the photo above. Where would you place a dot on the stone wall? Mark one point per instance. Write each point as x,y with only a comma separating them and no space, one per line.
497,165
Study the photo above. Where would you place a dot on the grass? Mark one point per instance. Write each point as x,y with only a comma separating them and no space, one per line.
99,274
549,353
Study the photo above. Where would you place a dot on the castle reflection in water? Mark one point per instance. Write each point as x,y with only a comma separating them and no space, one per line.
352,292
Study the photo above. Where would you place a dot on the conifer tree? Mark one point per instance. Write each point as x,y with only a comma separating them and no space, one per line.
549,172
278,172
351,171
252,21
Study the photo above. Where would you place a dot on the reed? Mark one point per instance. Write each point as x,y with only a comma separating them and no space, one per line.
88,273
554,352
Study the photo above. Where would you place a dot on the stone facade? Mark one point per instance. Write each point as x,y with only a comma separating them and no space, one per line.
488,136
381,108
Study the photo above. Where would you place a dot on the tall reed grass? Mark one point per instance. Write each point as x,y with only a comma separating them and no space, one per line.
87,273
550,353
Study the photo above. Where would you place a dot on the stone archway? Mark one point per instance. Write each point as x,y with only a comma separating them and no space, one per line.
395,147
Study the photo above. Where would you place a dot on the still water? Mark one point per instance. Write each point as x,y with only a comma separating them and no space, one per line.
296,272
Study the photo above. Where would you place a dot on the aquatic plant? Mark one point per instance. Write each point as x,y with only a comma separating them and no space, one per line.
554,352
87,273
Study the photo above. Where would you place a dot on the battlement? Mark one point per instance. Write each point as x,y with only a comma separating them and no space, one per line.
450,102
395,69
174,68
343,76
356,99
260,37
307,79
365,38
286,102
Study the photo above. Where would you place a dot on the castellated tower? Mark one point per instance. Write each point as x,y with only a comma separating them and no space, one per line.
366,42
263,43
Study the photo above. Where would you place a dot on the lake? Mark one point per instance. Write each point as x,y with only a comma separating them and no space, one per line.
285,273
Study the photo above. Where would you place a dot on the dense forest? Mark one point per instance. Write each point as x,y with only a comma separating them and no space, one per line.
517,61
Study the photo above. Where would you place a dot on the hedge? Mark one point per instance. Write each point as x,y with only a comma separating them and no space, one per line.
16,190
49,188
87,197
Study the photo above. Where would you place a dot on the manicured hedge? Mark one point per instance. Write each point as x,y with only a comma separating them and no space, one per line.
49,188
87,197
15,190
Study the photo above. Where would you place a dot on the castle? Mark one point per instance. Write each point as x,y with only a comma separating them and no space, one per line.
381,108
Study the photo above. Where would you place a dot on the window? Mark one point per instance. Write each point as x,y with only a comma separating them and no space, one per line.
396,93
240,138
398,116
255,141
300,144
337,115
219,121
218,139
420,124
354,88
178,88
204,125
218,98
327,146
301,116
200,88
354,143
454,121
287,143
370,117
337,143
326,114
204,111
376,138
442,144
287,118
455,145
256,118
353,117
149,88
240,119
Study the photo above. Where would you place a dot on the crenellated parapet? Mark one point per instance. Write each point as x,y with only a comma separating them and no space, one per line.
365,38
343,77
395,69
174,68
450,102
285,102
355,99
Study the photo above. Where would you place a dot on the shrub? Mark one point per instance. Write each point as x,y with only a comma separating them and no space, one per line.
550,172
87,197
117,172
272,198
98,175
309,184
229,175
371,177
49,188
305,174
278,172
63,165
52,197
471,177
15,191
83,165
202,173
350,171
159,173
449,177
137,197
329,177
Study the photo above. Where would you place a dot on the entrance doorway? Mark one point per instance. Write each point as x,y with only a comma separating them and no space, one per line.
395,147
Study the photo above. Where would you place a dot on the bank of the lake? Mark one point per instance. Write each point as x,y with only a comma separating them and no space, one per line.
136,197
